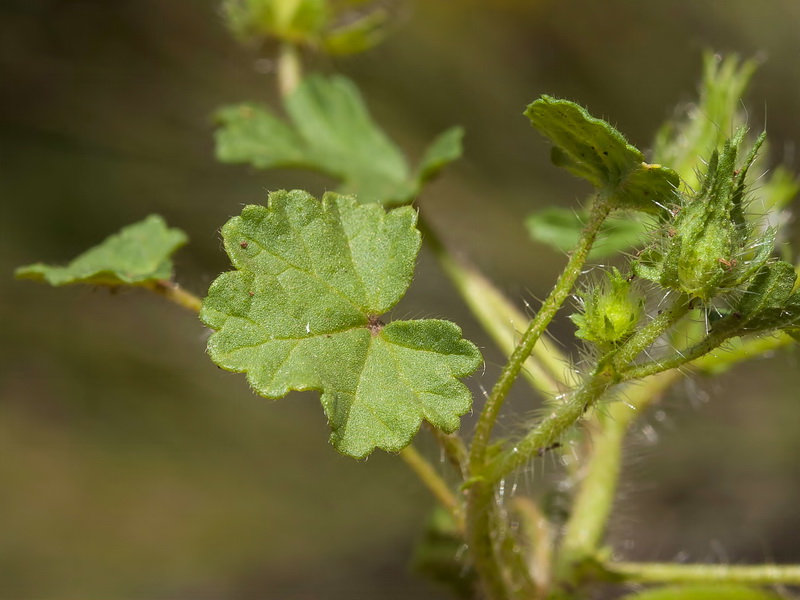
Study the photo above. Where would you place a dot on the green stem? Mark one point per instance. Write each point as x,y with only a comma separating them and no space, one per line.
566,414
433,481
678,359
290,69
535,329
175,293
482,514
731,574
741,350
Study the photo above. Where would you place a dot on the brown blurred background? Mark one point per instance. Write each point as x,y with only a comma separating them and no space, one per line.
131,467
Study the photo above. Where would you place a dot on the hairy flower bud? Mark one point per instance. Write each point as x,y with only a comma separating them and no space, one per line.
707,246
610,311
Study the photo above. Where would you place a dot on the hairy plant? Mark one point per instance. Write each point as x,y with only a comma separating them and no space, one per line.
303,306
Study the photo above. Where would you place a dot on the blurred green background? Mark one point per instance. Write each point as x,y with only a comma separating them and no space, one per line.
131,467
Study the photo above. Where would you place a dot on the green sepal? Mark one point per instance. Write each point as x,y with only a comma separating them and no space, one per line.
331,132
721,591
768,303
138,254
300,312
592,149
561,228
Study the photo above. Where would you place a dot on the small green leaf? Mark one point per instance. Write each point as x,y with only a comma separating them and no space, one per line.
139,254
443,150
703,592
300,312
561,229
330,132
358,35
592,149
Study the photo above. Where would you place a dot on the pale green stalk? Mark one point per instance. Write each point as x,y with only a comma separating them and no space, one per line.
434,482
684,574
290,69
175,293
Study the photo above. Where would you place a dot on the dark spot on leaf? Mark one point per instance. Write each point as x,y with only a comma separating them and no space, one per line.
375,325
243,245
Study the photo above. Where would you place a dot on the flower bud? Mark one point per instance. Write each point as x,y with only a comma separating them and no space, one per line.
707,248
610,311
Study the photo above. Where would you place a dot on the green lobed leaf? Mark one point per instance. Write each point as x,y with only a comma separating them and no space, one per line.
592,149
331,132
139,254
300,312
703,592
561,229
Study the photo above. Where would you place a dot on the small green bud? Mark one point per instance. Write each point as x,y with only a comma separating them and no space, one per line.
610,311
707,247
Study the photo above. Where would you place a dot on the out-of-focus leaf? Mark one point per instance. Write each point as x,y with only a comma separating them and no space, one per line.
704,126
295,21
361,34
592,149
436,556
703,592
138,255
330,132
300,312
561,229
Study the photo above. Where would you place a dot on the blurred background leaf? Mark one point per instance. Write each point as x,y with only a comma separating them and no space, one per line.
132,467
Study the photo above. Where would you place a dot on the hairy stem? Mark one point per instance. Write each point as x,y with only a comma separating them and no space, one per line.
482,513
741,350
566,414
535,329
678,573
